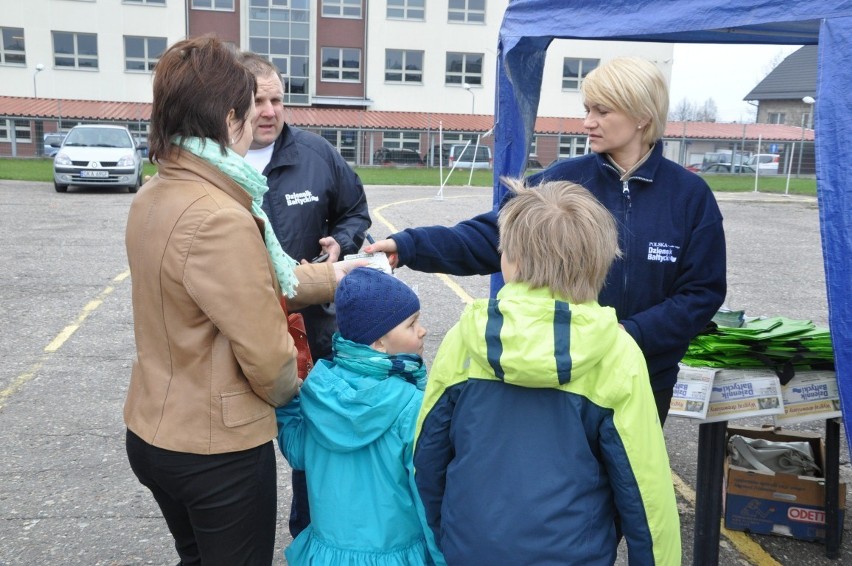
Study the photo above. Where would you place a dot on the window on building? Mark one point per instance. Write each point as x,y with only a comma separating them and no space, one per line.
155,2
776,118
142,53
12,47
464,68
75,50
139,130
392,139
406,9
219,5
23,133
341,8
572,146
575,70
403,66
344,140
341,64
534,147
466,11
280,31
454,138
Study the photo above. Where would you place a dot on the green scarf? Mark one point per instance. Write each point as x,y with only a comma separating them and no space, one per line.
234,166
364,360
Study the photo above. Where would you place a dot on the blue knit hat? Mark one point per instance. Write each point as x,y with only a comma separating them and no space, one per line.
370,303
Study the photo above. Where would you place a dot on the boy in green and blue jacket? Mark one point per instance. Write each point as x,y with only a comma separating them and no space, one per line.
538,441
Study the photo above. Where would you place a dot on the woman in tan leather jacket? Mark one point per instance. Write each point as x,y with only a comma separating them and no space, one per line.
214,357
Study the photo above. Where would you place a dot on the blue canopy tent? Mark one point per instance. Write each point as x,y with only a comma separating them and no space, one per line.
528,28
530,25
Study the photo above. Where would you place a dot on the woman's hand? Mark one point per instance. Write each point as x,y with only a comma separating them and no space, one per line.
389,247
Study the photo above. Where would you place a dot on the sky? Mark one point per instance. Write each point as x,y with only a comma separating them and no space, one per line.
725,73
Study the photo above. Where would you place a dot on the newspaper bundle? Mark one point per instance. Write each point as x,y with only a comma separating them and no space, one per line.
713,395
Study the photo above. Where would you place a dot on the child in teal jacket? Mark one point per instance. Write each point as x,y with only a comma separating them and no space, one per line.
351,429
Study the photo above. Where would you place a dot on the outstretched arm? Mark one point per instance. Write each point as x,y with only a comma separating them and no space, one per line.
468,248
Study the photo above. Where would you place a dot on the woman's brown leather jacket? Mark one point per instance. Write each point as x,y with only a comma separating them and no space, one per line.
214,357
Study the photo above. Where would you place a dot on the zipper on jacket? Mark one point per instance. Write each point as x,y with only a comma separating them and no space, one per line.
625,192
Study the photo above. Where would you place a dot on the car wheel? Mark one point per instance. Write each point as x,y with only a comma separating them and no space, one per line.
60,188
134,188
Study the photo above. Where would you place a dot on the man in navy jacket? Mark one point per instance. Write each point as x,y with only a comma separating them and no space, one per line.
316,205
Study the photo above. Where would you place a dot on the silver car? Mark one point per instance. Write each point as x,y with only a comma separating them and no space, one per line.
469,156
96,155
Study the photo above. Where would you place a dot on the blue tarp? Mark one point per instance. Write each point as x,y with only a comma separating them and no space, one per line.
530,25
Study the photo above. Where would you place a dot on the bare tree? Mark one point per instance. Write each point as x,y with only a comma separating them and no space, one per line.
686,110
708,112
683,112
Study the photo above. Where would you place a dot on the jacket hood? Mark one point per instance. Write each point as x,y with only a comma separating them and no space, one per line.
527,338
346,411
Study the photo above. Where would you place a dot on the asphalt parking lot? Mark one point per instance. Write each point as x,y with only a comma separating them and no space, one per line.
67,495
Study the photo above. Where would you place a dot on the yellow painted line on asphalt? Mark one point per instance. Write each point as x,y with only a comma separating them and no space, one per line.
60,339
454,287
19,382
69,330
748,548
745,545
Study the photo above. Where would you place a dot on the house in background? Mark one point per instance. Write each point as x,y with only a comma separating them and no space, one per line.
397,74
395,55
779,96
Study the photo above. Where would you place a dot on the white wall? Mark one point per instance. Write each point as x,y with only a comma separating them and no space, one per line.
110,20
436,37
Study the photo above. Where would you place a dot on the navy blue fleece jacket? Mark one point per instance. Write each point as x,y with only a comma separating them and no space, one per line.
668,284
313,193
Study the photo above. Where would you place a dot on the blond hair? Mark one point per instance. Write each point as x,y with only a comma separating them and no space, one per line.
558,236
634,86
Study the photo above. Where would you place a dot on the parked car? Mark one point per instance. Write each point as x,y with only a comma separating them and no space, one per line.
765,163
141,146
52,143
721,161
727,168
97,155
533,163
391,156
438,151
463,156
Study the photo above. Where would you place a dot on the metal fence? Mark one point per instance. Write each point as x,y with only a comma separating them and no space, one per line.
400,148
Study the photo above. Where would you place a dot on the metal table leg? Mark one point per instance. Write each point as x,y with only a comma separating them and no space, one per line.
708,493
832,489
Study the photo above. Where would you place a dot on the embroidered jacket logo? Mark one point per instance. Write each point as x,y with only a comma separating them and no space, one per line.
300,198
662,252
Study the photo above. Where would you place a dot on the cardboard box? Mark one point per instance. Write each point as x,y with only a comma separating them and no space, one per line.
779,504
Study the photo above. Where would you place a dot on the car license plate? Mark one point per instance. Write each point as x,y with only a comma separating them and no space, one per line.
91,173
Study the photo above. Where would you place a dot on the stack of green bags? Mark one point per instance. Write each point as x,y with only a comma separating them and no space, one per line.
778,343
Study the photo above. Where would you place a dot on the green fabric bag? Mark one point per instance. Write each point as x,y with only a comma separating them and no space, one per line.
781,344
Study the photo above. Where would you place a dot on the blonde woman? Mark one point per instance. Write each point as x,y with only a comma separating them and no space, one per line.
670,280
